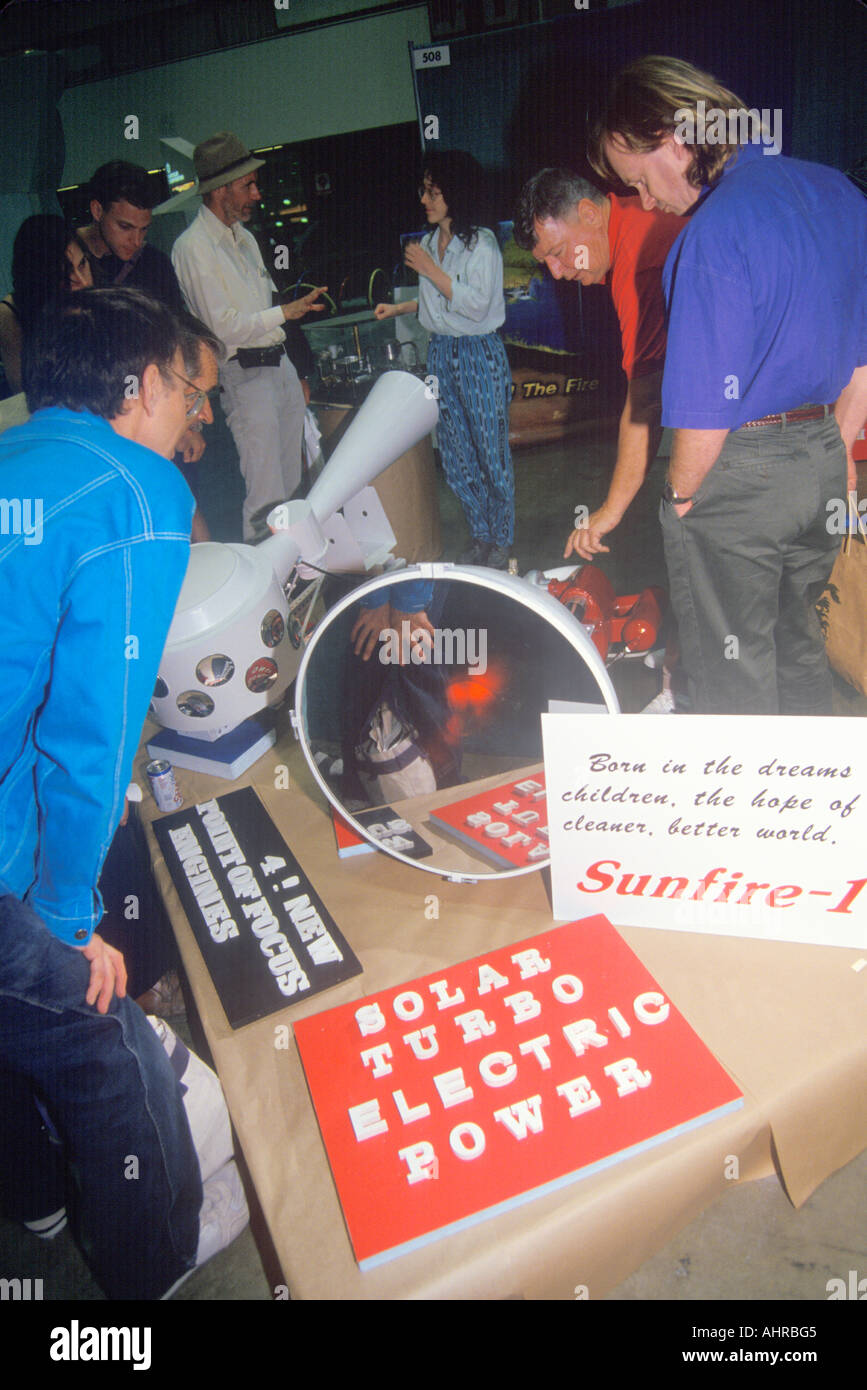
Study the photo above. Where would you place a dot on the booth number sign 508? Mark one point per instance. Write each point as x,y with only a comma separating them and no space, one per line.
432,57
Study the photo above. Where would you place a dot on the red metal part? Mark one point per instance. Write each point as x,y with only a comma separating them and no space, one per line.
633,619
639,626
590,596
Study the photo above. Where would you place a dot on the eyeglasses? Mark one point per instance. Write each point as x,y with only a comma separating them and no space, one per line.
195,397
430,189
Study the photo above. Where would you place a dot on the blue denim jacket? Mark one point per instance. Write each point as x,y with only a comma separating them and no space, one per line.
94,544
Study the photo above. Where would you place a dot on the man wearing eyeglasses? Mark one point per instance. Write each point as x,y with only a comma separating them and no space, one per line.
203,353
191,446
90,571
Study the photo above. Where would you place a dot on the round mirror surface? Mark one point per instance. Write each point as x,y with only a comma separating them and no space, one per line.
419,704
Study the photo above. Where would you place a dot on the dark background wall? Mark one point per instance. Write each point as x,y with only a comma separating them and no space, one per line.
520,99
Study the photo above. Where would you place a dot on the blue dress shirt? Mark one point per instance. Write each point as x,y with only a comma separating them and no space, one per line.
767,294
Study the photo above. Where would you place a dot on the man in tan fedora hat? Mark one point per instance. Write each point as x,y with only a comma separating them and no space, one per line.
225,282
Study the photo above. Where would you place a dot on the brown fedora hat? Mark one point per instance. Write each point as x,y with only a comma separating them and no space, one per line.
222,158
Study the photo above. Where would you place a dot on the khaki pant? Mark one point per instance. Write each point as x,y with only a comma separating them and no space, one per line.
265,409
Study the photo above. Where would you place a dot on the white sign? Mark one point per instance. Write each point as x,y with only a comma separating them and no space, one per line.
437,57
752,825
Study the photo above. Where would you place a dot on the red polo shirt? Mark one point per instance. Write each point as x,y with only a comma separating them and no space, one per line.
639,243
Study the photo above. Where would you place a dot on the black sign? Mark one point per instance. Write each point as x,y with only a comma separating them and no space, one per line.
392,832
265,934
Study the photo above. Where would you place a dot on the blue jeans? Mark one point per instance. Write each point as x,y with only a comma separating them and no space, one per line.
107,1087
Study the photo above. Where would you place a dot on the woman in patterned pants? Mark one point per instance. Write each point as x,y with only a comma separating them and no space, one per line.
460,302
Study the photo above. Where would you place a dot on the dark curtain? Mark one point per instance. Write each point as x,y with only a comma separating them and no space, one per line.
32,149
520,99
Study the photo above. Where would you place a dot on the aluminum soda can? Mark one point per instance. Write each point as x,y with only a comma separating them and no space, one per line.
163,785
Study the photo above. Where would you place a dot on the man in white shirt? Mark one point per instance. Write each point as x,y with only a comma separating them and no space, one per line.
225,282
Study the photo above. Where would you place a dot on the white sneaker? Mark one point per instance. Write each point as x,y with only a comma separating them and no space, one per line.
224,1213
663,703
223,1217
655,658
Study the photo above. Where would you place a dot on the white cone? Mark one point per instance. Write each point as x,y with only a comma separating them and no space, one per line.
399,411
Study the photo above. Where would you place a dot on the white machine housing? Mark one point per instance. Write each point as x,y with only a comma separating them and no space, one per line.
230,649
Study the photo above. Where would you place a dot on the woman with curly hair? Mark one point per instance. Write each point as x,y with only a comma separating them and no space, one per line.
461,304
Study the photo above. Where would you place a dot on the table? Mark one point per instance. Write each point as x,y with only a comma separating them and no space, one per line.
787,1021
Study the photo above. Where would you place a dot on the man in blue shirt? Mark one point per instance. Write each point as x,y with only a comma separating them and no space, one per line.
94,543
765,380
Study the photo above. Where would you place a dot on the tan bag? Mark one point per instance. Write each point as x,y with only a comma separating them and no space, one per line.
842,609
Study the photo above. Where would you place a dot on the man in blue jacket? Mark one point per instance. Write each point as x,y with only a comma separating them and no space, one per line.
94,543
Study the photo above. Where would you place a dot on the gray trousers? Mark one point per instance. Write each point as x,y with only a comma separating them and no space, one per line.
746,565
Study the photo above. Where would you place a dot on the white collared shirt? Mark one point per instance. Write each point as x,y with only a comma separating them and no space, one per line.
224,281
477,304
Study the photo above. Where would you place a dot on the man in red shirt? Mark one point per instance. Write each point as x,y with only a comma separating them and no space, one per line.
595,238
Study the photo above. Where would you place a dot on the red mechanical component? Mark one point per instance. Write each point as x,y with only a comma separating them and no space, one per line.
633,619
641,619
590,596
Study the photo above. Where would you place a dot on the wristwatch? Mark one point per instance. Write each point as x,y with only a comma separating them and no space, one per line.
670,495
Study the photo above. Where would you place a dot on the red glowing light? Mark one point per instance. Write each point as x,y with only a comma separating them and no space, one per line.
471,698
476,692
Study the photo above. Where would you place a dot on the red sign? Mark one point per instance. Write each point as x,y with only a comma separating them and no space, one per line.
348,843
461,1094
507,825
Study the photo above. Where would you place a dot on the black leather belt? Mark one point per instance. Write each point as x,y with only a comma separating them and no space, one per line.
790,417
259,357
